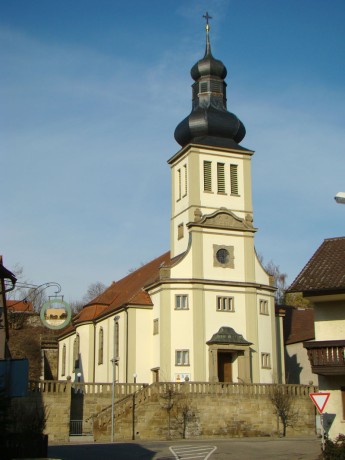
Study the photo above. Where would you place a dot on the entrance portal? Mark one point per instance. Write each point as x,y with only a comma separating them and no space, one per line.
225,366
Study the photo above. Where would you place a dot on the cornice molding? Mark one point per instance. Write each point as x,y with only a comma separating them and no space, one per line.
223,219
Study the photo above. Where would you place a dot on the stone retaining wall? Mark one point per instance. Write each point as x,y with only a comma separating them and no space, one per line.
171,410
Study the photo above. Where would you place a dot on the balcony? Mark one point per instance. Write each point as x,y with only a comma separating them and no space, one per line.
326,357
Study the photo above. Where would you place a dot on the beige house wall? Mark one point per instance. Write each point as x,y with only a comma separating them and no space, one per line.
329,320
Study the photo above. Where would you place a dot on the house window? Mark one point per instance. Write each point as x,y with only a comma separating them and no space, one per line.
207,176
181,302
182,357
155,326
76,345
265,361
185,180
116,340
63,364
100,346
233,180
225,304
263,305
180,231
220,178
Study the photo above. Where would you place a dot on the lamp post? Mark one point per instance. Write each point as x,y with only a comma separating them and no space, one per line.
133,406
113,400
114,361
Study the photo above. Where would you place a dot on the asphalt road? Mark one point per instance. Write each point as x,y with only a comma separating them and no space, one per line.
215,449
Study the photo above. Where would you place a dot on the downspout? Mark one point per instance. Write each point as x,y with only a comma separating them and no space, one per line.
126,311
94,352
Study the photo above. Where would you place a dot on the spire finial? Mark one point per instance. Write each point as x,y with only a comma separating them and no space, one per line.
208,46
207,17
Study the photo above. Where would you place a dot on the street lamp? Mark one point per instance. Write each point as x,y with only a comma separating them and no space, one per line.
114,361
133,406
340,197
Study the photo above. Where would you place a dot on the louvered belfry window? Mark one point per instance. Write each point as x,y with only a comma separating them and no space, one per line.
207,176
233,180
221,177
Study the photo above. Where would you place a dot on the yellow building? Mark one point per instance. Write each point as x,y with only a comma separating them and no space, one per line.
204,311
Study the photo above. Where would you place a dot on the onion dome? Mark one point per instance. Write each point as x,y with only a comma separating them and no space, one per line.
209,122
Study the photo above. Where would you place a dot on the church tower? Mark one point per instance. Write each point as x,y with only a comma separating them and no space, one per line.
212,170
214,264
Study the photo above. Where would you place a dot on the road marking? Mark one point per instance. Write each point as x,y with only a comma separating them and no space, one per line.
194,451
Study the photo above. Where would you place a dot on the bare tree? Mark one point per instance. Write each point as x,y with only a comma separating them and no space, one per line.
279,280
283,403
169,397
185,414
27,291
93,291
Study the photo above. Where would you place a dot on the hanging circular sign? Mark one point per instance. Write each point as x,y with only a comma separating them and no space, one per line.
56,314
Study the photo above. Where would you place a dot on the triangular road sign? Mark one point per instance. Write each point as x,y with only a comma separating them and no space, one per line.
320,400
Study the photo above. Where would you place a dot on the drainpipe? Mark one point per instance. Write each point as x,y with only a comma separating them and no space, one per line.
94,353
126,311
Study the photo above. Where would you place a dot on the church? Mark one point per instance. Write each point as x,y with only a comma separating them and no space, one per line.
203,311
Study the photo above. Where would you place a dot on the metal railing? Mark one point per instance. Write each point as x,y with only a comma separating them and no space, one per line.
81,427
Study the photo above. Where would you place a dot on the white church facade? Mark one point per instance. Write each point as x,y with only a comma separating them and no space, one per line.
204,311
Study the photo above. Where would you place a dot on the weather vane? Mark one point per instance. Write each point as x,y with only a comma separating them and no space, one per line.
207,17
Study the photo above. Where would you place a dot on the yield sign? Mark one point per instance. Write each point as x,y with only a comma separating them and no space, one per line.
320,400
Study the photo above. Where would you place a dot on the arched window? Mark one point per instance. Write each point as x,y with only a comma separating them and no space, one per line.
76,346
63,363
100,346
116,340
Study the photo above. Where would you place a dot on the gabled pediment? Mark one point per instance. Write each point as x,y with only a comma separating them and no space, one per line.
224,219
228,336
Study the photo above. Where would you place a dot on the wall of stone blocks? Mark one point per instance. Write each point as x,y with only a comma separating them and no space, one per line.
157,416
206,416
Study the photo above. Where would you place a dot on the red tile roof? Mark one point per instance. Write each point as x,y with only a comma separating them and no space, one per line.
19,306
298,325
130,290
325,271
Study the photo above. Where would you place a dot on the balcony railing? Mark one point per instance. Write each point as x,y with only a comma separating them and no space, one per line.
326,357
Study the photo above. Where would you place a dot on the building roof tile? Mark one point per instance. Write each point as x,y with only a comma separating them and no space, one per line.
298,325
17,306
325,271
130,290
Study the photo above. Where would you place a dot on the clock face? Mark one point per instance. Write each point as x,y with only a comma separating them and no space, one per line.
222,256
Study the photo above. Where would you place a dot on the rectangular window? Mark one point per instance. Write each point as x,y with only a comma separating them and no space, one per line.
100,346
263,307
180,231
181,302
233,180
116,340
225,304
207,176
63,371
185,180
182,357
220,177
265,361
179,184
155,326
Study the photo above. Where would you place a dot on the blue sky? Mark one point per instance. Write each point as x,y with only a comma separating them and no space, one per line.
91,92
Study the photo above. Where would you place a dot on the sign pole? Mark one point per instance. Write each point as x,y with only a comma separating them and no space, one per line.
320,400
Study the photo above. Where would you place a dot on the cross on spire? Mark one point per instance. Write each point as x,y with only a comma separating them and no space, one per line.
207,17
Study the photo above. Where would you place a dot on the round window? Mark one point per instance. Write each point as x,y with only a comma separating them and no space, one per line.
222,256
